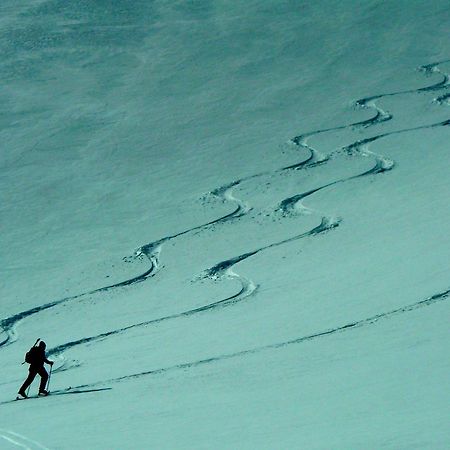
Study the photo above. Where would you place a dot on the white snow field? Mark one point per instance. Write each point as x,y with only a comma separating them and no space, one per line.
229,221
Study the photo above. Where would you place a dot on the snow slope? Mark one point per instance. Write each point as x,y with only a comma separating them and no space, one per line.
228,220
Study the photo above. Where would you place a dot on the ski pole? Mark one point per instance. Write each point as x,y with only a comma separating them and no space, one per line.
49,375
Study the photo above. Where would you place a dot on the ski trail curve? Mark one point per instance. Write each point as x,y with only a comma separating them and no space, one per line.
226,194
355,146
369,321
361,147
428,69
247,288
151,251
222,270
8,325
379,116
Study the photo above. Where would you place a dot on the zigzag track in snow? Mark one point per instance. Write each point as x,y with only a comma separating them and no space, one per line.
8,324
151,250
382,164
372,320
353,148
316,158
224,192
287,206
380,115
224,270
219,271
428,69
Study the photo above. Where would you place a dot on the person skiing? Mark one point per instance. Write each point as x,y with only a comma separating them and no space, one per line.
36,358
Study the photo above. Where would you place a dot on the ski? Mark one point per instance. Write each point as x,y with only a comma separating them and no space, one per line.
67,391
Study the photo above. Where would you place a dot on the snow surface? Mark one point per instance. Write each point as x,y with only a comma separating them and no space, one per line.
228,220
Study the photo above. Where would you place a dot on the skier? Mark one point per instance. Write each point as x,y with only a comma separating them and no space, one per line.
36,358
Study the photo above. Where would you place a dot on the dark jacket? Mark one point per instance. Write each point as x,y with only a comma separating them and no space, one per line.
38,357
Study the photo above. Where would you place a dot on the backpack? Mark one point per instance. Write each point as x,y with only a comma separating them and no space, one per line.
31,355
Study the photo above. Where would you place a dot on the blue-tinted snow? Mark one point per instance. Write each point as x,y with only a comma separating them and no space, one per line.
233,214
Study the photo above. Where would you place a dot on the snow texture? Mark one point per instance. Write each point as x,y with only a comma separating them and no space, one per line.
228,220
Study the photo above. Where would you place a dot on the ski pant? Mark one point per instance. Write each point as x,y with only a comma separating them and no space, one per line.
40,370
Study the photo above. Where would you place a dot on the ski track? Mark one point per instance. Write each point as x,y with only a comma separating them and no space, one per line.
380,115
226,194
68,391
19,440
221,270
287,206
9,324
151,251
361,147
247,289
442,99
372,320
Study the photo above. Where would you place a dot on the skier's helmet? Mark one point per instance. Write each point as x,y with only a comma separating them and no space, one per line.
42,344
